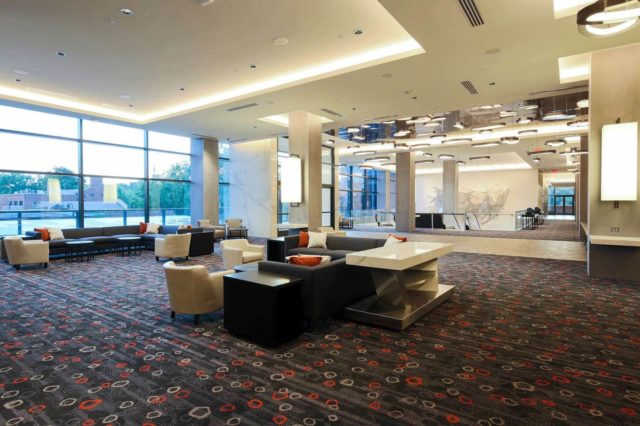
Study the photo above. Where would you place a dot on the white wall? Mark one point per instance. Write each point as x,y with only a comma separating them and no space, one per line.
253,169
486,192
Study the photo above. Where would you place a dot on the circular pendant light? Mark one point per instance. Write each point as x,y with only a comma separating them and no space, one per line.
556,142
510,140
605,18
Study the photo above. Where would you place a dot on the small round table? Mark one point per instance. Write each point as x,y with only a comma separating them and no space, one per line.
129,245
78,250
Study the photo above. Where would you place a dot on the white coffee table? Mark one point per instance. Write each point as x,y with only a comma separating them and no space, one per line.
406,280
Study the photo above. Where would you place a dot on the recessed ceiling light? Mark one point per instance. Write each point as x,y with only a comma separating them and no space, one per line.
460,163
542,152
454,140
510,140
358,32
281,41
578,123
485,144
429,161
485,131
584,103
536,160
60,53
126,12
21,72
556,142
508,113
528,132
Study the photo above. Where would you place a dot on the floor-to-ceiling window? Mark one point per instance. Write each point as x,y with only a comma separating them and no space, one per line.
62,171
358,193
561,200
327,186
223,181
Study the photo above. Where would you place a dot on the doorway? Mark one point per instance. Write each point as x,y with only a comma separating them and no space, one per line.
563,204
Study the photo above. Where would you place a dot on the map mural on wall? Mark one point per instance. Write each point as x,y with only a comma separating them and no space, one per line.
489,201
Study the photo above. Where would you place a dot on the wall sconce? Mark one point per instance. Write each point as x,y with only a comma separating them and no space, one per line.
619,168
291,180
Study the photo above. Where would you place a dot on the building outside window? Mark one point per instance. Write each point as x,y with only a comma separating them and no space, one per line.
66,172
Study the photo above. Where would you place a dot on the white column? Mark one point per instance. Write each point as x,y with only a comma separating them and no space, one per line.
405,192
204,180
450,186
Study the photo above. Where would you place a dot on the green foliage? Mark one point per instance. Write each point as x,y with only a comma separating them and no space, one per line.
132,194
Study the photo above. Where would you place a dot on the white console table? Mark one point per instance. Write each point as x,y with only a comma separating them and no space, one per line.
406,280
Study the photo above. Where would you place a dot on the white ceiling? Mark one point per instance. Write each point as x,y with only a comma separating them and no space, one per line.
168,45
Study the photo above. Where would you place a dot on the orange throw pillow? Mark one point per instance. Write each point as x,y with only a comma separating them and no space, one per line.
143,228
305,260
304,239
403,239
44,232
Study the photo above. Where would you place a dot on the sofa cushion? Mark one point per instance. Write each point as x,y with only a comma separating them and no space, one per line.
315,251
75,233
59,243
120,230
351,243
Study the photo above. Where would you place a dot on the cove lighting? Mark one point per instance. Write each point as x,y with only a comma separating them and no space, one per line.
283,119
291,180
403,49
619,165
477,168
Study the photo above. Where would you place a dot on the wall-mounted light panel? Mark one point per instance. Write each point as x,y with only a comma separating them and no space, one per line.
619,173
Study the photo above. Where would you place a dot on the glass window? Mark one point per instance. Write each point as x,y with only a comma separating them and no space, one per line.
169,202
169,142
223,150
357,183
166,165
105,132
30,201
223,202
109,160
223,170
327,174
112,202
37,154
25,120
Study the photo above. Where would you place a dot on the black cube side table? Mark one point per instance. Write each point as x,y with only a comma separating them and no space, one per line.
275,249
263,307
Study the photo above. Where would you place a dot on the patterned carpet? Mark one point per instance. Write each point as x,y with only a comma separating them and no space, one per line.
558,230
522,342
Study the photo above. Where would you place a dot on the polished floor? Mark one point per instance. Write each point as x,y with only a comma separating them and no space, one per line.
543,249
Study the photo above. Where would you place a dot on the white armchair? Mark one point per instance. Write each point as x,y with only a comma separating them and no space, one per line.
330,231
237,252
173,246
193,290
219,231
235,228
21,252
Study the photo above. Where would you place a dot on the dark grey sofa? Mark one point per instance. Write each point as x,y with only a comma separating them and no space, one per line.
337,247
106,238
328,287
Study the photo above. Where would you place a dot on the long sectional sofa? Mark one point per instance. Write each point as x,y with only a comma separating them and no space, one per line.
328,287
106,238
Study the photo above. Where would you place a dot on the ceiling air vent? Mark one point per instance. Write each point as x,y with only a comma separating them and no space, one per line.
471,11
328,111
470,87
236,108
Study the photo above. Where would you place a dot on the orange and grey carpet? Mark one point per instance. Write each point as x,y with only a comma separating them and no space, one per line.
522,341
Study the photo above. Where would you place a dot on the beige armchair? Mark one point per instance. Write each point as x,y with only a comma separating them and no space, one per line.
21,252
235,228
330,231
237,252
219,231
173,246
193,290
